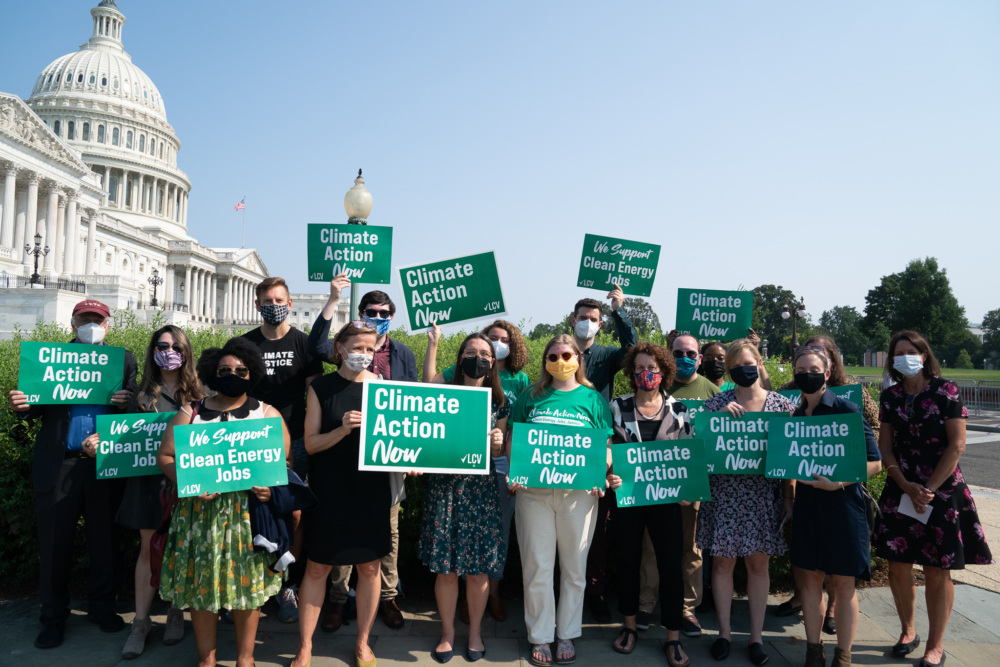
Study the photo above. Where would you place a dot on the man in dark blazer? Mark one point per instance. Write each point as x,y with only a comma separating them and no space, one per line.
64,478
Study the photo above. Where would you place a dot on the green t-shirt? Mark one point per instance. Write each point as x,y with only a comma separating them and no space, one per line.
700,389
582,407
511,383
726,386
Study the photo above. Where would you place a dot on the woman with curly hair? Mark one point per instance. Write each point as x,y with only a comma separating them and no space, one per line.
209,562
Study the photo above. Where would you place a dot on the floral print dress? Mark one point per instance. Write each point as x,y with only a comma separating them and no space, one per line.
953,535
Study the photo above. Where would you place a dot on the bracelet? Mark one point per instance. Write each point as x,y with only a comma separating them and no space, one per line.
890,468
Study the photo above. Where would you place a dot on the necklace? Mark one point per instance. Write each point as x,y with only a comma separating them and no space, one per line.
653,416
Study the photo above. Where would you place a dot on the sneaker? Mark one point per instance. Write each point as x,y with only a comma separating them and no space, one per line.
691,627
136,642
642,620
288,605
173,631
51,635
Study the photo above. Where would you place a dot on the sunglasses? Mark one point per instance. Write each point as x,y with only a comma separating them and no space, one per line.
241,371
166,346
690,354
371,312
566,356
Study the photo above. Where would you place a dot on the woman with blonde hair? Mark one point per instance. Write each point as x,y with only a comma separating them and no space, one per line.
557,520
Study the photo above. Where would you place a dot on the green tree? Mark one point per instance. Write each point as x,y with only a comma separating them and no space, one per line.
991,336
768,301
963,360
642,315
844,324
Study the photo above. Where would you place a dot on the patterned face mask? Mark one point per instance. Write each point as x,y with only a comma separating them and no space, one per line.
168,360
274,313
648,380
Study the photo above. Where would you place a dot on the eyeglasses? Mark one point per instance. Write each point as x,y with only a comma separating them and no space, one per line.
166,346
566,356
241,371
690,354
371,312
361,324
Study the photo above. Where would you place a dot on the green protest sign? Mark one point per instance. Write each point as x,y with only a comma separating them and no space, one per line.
425,427
129,443
552,456
660,472
61,373
850,392
714,314
452,290
363,252
693,407
229,456
734,446
831,445
608,261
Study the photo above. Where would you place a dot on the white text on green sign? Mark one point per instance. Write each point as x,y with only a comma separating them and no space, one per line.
660,472
734,446
363,252
608,262
59,373
453,290
551,456
219,457
832,446
129,444
713,313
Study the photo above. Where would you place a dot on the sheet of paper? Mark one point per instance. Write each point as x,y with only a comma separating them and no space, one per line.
906,507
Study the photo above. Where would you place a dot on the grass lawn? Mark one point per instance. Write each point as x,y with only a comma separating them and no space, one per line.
950,373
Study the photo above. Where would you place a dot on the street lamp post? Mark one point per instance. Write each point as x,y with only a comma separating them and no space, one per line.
155,280
800,311
358,204
37,251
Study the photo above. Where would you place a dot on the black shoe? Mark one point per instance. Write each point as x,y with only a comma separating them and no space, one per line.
829,625
923,662
786,609
690,627
643,619
758,655
473,656
720,649
108,622
51,635
599,608
902,650
442,656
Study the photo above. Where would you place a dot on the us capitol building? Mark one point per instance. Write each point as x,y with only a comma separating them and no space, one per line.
89,163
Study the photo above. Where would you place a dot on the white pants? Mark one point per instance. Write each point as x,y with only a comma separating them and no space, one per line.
548,519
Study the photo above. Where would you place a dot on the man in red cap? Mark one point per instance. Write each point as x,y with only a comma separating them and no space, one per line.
64,477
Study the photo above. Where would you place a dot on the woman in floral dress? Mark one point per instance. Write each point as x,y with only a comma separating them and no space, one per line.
922,439
462,532
209,562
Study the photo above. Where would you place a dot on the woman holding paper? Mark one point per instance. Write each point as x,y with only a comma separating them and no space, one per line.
647,414
927,512
462,533
830,519
548,518
209,562
744,517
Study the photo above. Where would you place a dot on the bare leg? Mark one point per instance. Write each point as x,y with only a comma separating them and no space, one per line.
940,593
672,636
904,593
311,595
809,584
144,593
245,621
206,624
722,592
842,590
831,598
494,588
446,593
476,590
297,534
368,591
758,585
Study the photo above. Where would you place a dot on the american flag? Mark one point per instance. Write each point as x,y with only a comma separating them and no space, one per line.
240,205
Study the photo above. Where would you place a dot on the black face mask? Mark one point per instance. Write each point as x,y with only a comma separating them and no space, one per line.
713,369
476,367
231,385
810,383
744,376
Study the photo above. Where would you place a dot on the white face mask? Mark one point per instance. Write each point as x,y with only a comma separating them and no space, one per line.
501,349
91,333
907,364
357,361
586,329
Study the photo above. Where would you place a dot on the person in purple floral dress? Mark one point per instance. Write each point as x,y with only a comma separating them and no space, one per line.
922,439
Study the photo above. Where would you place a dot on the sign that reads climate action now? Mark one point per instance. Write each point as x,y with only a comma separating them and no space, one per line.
363,252
850,392
62,373
609,261
452,290
714,313
693,408
229,456
734,446
552,456
129,444
661,472
425,427
831,445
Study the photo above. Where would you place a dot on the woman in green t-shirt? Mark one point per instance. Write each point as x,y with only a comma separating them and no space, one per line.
548,518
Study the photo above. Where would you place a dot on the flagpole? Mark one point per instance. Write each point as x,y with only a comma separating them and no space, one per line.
244,244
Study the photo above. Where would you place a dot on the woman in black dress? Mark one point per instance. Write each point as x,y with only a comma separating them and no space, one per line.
350,523
922,439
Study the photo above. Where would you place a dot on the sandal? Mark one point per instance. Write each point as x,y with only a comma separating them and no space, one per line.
541,649
625,632
563,645
674,658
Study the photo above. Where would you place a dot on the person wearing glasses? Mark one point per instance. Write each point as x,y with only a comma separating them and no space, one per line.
168,382
350,524
511,357
209,562
743,519
563,518
830,520
927,513
392,360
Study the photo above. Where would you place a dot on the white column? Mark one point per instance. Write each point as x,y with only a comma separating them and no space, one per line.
90,262
184,209
227,299
202,292
187,287
72,236
7,220
51,216
243,300
212,296
167,291
140,194
31,219
107,185
136,193
60,247
21,212
199,291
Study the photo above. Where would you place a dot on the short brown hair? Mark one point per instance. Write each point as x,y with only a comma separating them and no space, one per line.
838,376
931,367
269,283
379,298
668,368
347,332
588,304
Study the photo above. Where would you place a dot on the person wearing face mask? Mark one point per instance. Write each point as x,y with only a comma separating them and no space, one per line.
392,360
209,561
168,382
291,367
743,518
713,365
830,520
64,479
462,535
922,439
551,518
512,356
350,525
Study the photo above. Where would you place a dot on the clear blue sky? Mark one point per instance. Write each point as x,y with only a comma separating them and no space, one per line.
818,146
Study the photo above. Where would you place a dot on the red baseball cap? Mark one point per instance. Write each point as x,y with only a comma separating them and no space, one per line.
91,306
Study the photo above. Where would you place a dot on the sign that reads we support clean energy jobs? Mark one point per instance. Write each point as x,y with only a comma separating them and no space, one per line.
734,446
62,373
608,262
714,313
425,427
660,472
452,290
553,456
220,457
129,444
830,445
363,252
